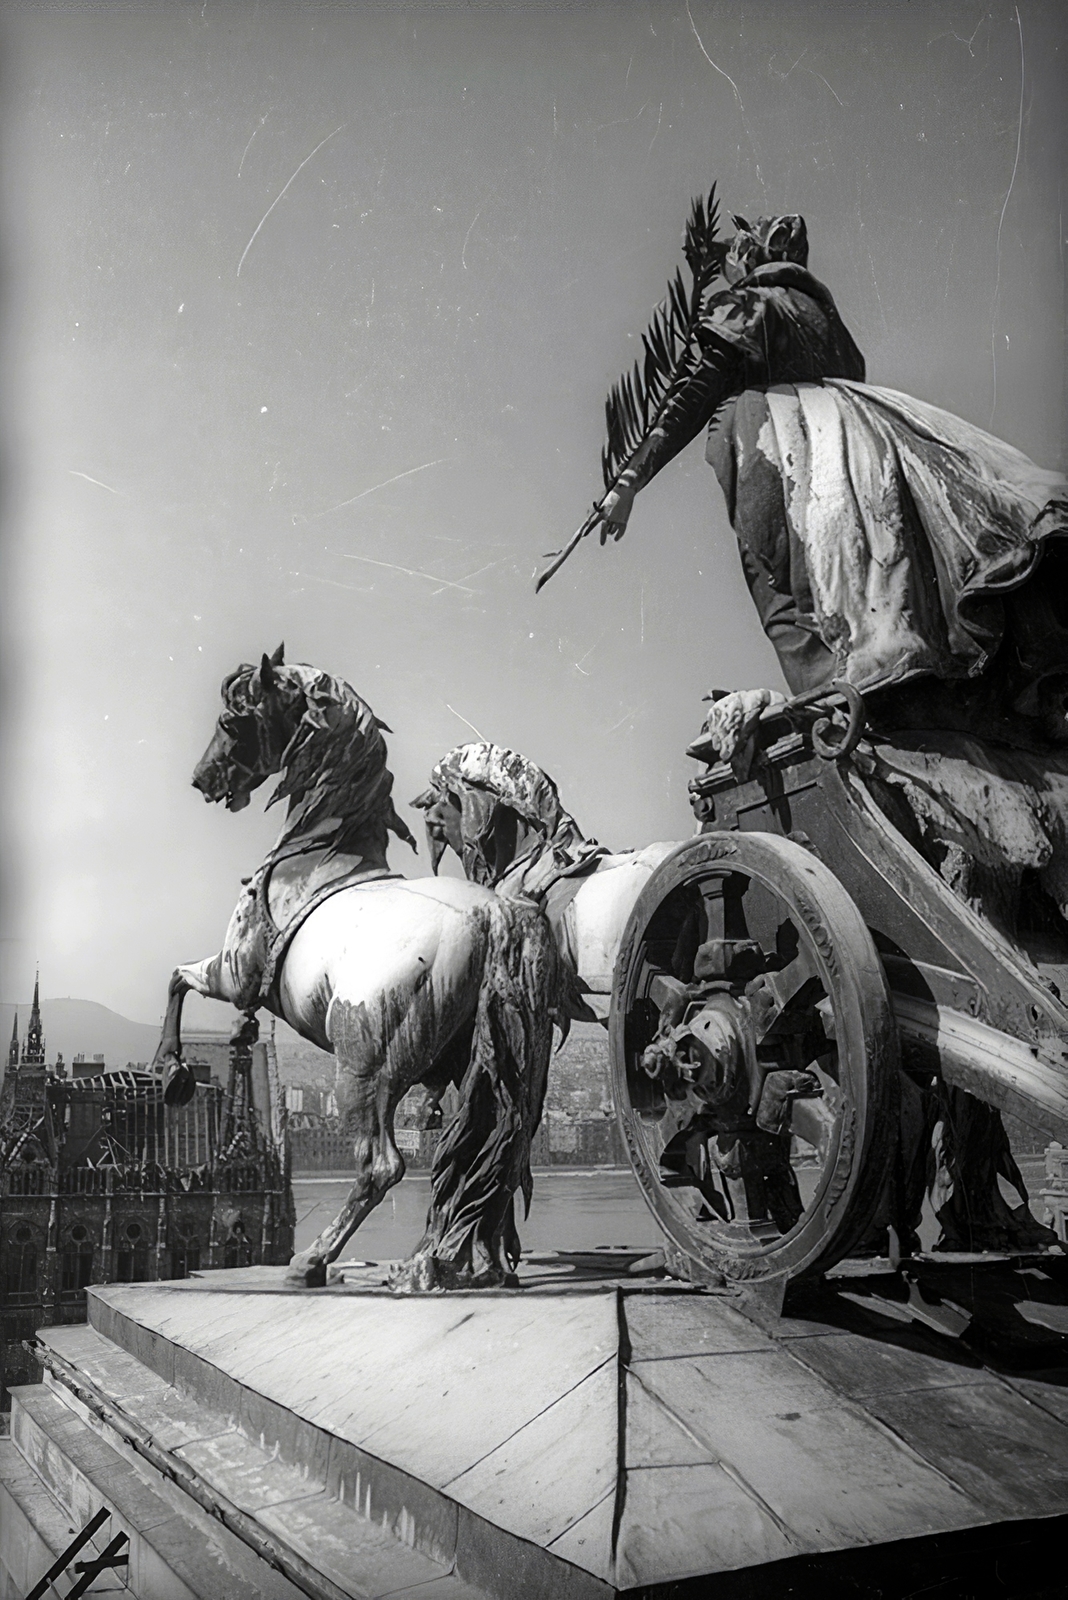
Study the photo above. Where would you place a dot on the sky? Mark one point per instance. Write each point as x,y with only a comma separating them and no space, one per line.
308,315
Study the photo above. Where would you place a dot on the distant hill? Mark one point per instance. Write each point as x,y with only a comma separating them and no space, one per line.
578,1074
82,1027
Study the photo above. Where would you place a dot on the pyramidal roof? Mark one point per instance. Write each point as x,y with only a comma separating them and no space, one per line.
640,1437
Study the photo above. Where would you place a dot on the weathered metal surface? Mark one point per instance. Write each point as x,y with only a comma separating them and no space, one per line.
827,954
657,1436
986,1062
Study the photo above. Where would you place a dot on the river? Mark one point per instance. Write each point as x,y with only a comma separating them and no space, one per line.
572,1210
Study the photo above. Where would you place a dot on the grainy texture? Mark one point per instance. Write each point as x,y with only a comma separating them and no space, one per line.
705,1443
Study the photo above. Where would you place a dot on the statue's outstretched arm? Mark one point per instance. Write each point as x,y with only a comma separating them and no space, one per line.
688,414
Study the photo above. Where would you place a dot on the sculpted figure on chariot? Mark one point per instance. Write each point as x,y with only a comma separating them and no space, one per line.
886,543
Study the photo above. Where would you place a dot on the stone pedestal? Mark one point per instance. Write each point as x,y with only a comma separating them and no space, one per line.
552,1441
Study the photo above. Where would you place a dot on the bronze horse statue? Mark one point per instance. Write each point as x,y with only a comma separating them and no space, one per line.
406,981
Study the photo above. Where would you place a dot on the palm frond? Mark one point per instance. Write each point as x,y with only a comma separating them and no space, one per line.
672,372
642,398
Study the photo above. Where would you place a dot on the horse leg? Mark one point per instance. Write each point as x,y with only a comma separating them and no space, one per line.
484,1157
448,1069
209,979
178,1080
371,1080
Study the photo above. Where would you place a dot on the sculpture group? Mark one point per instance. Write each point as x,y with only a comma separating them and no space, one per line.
796,1061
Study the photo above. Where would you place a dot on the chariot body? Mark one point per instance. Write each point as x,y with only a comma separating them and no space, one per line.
810,1030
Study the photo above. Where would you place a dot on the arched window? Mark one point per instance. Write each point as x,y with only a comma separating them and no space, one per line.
237,1252
76,1267
185,1257
132,1255
20,1267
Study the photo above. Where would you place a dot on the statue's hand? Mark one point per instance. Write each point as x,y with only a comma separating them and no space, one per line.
616,508
732,720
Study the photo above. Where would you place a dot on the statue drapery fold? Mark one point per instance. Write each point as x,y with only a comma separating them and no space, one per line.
893,527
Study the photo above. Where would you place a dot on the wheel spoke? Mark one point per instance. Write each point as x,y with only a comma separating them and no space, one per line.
773,992
813,1121
661,988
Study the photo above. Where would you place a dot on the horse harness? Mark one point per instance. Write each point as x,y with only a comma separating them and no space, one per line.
277,940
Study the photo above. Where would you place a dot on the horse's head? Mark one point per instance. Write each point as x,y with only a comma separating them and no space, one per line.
444,823
261,705
492,806
325,741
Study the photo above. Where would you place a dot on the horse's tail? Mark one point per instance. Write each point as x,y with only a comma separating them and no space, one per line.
484,1156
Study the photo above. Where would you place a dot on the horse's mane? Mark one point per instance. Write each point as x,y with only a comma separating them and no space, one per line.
333,763
512,778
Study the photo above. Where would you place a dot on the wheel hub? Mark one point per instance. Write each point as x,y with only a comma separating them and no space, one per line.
712,1051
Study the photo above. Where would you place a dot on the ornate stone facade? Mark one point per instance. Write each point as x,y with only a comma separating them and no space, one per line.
100,1183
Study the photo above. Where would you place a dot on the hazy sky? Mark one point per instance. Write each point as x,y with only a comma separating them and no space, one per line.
309,315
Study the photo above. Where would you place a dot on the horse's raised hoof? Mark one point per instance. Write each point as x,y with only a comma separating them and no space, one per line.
306,1272
179,1080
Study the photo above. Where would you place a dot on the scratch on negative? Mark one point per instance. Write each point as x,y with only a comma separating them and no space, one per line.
823,80
477,574
467,724
659,120
1001,223
281,192
589,652
410,472
251,136
335,583
633,712
708,58
467,235
811,72
76,474
410,572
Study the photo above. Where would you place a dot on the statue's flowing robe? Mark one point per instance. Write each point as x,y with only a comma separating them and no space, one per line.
904,550
879,535
883,529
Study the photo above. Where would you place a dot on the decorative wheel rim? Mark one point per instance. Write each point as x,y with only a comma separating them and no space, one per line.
754,1057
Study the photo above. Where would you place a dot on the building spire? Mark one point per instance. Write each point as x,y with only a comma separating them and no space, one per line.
33,1053
13,1047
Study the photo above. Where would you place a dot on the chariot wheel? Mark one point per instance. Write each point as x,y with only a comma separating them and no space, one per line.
754,1058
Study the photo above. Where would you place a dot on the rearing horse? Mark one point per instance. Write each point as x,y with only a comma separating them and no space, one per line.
407,981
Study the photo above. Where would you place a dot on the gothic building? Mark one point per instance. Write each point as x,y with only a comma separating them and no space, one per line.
101,1182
